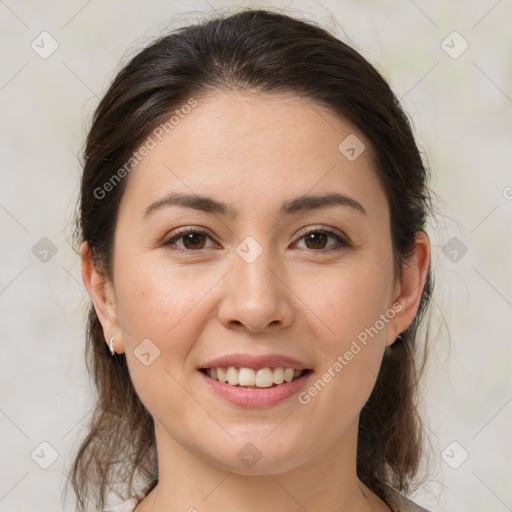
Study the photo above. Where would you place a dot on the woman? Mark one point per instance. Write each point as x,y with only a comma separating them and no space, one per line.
252,228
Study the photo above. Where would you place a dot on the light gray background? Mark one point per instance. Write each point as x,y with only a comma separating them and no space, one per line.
461,109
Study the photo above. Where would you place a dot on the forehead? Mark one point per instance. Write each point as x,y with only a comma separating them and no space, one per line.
246,147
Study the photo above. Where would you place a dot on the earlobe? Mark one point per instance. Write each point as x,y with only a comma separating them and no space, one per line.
410,287
103,298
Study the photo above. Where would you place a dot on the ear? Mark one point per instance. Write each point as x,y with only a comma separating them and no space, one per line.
103,297
409,288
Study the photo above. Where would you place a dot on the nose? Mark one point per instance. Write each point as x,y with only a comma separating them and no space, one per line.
256,295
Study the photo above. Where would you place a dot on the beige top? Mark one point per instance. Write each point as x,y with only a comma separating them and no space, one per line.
396,501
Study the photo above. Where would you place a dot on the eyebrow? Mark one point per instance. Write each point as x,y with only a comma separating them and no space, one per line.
293,206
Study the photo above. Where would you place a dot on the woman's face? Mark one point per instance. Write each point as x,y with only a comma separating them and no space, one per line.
250,280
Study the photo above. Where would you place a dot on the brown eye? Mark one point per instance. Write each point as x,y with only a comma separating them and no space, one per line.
191,240
317,240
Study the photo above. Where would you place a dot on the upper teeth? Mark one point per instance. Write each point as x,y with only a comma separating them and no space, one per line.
261,378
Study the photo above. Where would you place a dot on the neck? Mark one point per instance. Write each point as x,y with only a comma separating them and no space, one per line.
192,482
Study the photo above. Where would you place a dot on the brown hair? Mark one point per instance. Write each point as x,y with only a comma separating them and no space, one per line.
255,51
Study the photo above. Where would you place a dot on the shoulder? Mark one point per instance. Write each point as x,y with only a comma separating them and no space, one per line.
130,504
399,503
125,506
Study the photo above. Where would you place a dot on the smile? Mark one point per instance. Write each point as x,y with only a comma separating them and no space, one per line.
249,377
262,388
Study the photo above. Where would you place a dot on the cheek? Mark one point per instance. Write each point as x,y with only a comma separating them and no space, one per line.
350,299
353,307
165,306
157,303
169,307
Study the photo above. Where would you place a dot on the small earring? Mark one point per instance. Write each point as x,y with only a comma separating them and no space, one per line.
111,347
399,336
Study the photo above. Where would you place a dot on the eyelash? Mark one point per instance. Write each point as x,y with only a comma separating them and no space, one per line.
343,243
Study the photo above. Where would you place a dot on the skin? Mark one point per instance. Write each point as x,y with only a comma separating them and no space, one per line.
306,300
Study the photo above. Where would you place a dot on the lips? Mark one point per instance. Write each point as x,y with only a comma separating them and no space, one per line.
266,379
253,396
255,362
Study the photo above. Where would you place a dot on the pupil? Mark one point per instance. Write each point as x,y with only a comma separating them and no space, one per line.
192,238
312,236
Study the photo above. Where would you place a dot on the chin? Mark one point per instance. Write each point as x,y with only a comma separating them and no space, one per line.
257,456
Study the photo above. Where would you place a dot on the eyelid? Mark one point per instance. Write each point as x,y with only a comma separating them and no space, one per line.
324,229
